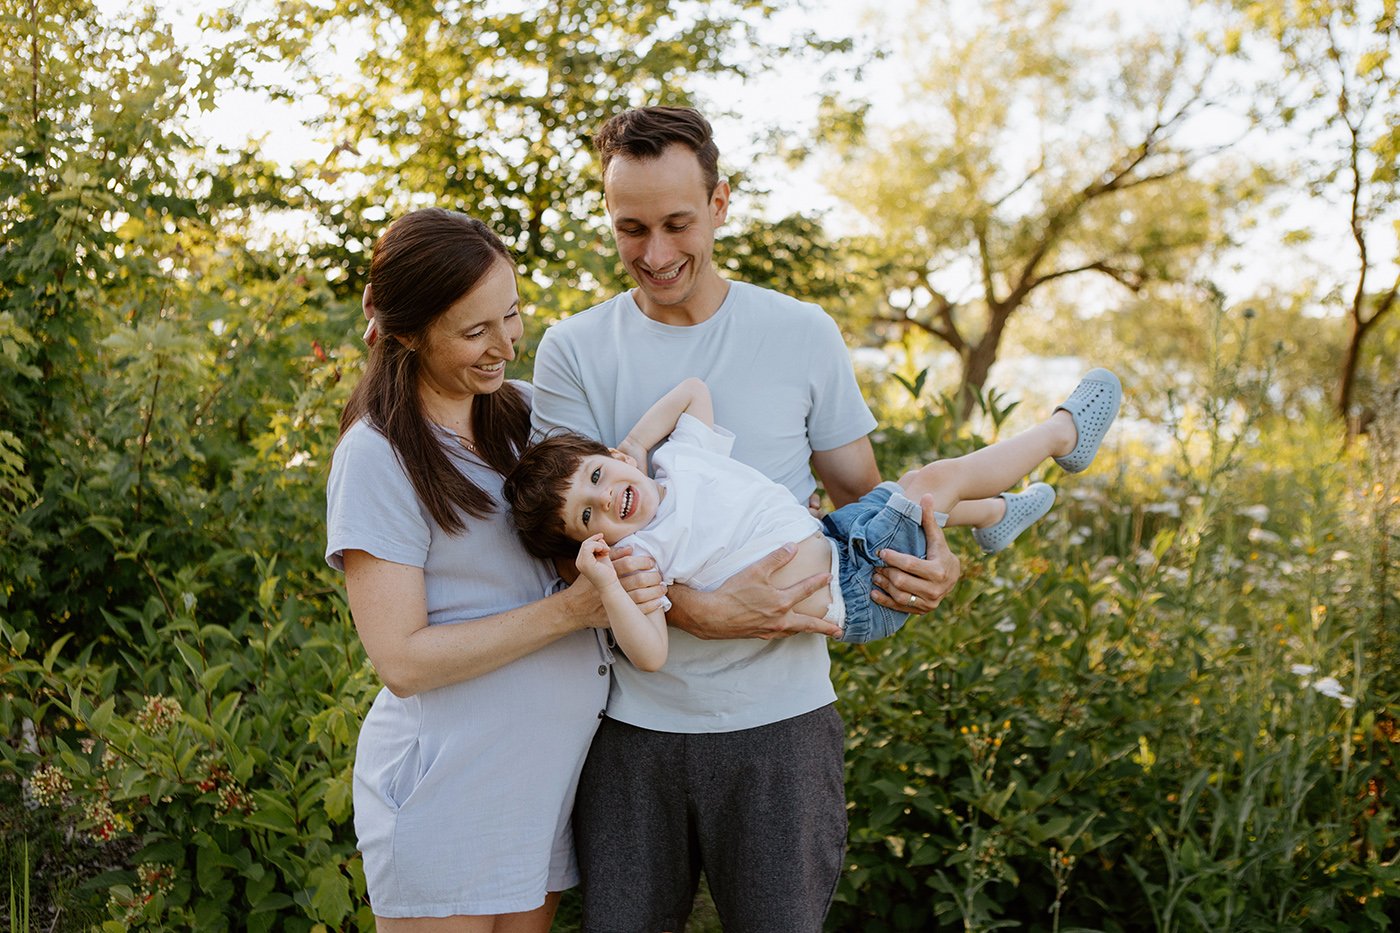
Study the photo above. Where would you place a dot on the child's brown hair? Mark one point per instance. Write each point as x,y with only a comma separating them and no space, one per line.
536,487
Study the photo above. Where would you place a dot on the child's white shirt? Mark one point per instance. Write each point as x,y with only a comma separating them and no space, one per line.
718,515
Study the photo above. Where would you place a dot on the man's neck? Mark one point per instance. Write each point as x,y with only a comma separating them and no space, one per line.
697,309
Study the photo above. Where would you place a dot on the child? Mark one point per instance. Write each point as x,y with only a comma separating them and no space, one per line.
705,516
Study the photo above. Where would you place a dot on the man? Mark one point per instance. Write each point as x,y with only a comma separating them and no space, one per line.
730,756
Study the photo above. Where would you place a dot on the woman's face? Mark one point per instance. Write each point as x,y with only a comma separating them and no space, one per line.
465,350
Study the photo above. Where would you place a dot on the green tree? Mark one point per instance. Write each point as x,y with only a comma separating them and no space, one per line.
1338,86
126,318
489,109
1037,149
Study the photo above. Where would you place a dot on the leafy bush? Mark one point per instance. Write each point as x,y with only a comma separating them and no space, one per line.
1170,708
224,751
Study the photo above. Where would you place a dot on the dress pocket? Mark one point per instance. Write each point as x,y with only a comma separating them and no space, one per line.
407,776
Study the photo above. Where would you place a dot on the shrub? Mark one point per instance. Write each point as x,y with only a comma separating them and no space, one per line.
1130,721
221,753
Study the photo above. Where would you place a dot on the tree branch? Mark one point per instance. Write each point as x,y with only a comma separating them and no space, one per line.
145,440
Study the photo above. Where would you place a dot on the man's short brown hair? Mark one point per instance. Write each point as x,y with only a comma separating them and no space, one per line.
647,132
536,489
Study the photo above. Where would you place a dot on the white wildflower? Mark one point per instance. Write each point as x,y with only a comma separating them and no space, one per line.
1329,687
1263,536
1171,509
1176,574
1005,625
1303,670
1341,555
1260,513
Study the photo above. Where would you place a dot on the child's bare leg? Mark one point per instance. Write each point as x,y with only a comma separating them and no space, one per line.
994,469
977,513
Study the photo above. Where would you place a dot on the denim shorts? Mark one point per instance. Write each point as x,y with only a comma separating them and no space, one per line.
882,518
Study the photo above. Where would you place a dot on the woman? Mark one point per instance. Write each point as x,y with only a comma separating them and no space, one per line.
494,682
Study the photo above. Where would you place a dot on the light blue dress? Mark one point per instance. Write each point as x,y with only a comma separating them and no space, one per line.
463,794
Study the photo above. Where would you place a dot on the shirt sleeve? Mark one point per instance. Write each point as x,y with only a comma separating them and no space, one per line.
371,505
560,400
839,414
691,430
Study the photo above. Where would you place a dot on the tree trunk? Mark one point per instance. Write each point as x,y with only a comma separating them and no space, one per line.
977,363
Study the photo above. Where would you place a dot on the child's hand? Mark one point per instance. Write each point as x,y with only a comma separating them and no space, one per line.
636,452
594,561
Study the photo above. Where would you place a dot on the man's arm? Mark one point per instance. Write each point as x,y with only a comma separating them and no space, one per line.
747,605
848,472
912,584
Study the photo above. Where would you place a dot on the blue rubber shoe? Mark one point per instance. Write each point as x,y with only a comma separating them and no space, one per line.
1093,405
1023,509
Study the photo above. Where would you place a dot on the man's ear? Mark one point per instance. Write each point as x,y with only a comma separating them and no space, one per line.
619,455
719,202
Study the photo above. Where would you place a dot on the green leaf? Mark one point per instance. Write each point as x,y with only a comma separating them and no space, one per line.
332,898
275,901
100,719
169,850
210,678
191,658
339,792
51,655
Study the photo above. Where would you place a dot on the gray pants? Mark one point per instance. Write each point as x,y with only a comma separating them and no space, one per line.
762,810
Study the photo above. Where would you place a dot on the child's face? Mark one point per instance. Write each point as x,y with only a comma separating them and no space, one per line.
611,497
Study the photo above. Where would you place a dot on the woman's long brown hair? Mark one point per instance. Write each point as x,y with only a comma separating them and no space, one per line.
423,264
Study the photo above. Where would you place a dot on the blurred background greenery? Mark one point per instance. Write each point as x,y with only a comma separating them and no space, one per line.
1170,707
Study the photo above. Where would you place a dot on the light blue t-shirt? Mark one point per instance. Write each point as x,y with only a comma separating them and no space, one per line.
781,379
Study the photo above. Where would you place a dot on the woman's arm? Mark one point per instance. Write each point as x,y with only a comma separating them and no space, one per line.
388,602
640,633
691,397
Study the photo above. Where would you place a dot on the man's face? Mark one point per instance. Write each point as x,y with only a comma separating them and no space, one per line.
609,496
664,222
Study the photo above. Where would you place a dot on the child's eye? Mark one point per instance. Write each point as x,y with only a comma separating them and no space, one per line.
587,514
596,474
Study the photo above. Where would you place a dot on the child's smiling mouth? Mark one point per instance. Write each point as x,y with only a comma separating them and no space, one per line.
627,497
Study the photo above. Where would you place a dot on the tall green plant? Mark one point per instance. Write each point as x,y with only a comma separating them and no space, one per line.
19,901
